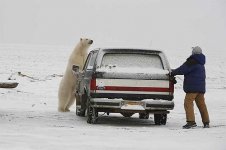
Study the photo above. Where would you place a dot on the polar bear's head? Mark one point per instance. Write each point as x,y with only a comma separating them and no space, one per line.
86,42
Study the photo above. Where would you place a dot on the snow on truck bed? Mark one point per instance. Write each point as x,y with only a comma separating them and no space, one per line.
134,65
112,71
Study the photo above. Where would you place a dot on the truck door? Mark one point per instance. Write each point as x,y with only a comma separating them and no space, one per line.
87,72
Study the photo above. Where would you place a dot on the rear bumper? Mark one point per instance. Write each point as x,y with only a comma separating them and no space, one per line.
143,105
131,96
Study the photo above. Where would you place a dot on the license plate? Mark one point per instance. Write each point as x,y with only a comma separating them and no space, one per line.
132,105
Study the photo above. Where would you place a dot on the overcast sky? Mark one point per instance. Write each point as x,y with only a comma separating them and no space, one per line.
163,24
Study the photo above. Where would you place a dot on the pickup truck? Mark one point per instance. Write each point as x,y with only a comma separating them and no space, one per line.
125,81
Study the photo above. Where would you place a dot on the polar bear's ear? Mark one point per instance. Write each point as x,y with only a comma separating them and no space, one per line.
80,39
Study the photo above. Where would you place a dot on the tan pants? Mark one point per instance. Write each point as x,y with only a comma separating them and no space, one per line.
200,102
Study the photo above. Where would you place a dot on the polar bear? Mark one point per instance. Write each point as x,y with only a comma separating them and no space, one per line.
66,96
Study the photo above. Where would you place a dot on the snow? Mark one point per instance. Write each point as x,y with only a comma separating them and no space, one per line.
132,60
112,68
111,71
134,66
29,117
37,37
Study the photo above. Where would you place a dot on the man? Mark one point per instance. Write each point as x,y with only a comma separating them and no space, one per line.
194,86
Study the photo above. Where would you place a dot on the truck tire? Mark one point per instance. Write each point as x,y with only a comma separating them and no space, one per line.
80,112
80,107
160,119
92,114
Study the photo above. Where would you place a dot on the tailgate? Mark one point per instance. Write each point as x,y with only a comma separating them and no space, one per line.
131,89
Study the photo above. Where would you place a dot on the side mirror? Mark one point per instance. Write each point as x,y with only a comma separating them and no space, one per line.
75,69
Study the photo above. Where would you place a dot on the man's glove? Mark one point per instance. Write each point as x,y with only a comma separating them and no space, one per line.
173,79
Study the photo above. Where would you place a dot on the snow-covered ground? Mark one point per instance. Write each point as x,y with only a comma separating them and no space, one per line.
29,117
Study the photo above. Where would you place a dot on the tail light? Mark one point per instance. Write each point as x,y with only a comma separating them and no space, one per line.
172,81
93,85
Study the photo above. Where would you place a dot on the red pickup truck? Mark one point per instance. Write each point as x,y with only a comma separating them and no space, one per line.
125,81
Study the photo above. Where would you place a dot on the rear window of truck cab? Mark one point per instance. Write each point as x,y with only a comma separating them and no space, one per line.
125,60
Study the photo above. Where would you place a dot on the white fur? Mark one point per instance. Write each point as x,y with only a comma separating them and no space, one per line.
66,93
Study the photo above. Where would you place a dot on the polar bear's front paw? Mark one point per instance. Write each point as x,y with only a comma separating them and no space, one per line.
67,110
62,110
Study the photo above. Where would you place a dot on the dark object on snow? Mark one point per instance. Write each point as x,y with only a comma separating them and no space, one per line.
8,84
190,124
127,114
206,125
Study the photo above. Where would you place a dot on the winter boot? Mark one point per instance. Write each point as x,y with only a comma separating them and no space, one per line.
206,125
190,124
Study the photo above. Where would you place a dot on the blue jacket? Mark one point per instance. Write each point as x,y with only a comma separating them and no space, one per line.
194,74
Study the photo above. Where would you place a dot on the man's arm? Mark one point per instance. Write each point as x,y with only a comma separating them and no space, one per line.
182,70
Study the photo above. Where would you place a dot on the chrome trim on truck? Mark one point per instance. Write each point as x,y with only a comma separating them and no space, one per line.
146,104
